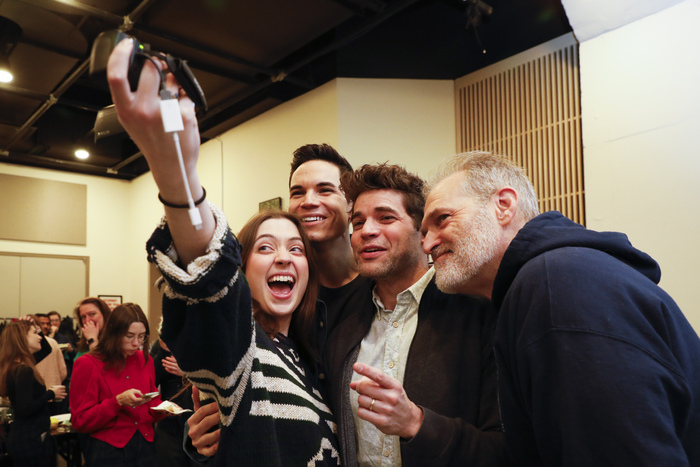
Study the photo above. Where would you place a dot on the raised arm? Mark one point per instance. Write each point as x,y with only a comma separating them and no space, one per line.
139,113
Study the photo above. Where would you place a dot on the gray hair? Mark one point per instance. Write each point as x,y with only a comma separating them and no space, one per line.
486,173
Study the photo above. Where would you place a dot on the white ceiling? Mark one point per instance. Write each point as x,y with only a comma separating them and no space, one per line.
591,18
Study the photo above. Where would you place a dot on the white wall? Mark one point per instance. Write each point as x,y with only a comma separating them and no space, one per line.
640,100
257,154
406,122
109,223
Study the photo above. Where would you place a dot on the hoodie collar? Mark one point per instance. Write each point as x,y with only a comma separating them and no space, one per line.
550,231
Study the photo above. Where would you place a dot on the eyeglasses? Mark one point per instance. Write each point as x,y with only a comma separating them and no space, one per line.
139,337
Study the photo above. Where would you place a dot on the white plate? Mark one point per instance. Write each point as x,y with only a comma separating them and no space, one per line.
169,407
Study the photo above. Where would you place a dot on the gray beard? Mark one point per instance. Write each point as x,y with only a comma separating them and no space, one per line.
476,246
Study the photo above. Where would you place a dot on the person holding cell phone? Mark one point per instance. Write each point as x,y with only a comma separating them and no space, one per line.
109,396
239,314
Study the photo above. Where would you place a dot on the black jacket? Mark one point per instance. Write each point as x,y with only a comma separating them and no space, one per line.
450,374
597,365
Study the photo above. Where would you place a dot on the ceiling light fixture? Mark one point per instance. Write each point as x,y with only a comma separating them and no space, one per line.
5,72
9,35
81,154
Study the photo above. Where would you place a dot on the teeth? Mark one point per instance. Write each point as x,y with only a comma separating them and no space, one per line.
311,219
281,279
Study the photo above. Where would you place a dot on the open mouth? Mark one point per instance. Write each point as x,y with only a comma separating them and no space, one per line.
310,219
371,251
281,285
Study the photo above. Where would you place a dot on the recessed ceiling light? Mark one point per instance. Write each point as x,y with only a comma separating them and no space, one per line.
82,154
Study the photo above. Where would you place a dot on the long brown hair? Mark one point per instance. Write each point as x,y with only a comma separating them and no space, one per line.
109,348
14,351
104,309
302,326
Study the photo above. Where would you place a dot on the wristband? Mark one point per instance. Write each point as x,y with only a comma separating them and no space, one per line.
183,206
90,341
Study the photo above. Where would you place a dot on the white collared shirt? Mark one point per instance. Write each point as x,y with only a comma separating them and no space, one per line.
386,347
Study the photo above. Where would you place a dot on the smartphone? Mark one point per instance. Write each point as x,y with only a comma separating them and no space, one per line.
150,395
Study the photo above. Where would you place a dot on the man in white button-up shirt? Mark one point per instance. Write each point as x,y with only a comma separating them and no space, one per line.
388,426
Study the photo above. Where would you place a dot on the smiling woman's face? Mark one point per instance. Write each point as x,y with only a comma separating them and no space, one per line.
277,270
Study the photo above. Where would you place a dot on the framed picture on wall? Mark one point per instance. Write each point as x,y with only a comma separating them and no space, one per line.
274,203
111,300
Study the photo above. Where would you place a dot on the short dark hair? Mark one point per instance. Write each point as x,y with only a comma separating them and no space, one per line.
41,315
322,152
50,313
387,177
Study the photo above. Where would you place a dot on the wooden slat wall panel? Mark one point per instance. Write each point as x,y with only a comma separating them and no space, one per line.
528,108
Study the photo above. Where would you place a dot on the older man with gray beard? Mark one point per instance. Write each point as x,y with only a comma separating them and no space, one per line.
597,364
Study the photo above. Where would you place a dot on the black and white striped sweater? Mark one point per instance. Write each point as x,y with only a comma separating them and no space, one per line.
272,411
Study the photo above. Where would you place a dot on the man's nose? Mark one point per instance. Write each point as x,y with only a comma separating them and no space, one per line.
310,199
430,241
369,228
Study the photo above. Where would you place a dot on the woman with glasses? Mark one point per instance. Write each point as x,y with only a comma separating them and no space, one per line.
109,394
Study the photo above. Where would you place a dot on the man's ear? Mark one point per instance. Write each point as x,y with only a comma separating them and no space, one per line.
506,205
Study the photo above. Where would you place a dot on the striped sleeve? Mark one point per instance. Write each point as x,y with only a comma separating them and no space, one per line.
207,317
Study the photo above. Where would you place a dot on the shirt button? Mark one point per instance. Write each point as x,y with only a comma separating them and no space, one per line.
127,377
387,454
136,423
321,324
391,364
322,375
395,324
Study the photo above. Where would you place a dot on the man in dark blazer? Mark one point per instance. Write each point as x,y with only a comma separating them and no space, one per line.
412,373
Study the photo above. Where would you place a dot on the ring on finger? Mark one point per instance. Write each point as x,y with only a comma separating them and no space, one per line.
371,404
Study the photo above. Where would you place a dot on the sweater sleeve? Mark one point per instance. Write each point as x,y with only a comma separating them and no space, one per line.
88,412
207,316
25,404
61,364
586,379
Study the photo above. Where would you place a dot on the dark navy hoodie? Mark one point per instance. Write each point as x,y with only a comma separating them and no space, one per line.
597,364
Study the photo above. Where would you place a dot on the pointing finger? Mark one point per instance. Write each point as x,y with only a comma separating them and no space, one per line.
376,376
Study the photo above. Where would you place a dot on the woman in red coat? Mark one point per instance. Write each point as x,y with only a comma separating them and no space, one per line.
108,396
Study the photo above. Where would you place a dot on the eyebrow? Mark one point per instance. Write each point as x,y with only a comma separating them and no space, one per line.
319,184
380,208
273,237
